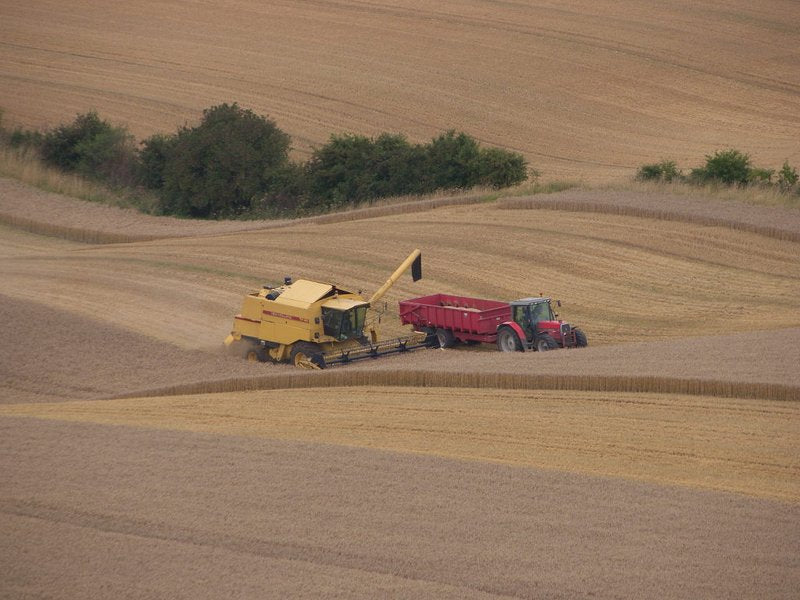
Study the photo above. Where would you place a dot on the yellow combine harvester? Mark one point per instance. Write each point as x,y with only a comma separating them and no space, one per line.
312,324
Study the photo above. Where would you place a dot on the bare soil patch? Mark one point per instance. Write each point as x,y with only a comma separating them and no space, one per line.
86,510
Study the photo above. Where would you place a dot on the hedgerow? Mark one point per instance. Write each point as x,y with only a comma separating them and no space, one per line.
235,163
725,167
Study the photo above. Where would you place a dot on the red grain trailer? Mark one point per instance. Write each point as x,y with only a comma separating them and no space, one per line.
526,324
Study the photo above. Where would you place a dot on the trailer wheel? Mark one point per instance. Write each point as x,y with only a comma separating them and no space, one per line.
430,337
580,339
306,356
544,342
508,341
445,337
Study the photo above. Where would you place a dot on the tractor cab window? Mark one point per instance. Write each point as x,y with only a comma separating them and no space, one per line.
519,314
344,324
541,311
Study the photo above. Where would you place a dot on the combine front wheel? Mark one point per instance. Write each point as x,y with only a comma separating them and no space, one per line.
306,356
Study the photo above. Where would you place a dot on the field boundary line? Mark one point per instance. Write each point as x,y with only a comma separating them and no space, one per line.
498,381
646,213
101,236
73,234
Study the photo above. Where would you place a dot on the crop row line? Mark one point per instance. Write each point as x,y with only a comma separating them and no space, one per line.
495,381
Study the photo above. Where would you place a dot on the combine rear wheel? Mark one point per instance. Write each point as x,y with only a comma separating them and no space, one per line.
253,353
306,356
507,341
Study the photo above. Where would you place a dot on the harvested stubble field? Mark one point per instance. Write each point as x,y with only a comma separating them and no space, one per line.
746,446
660,461
586,88
662,457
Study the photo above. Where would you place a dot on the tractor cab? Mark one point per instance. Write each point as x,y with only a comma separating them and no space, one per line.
541,325
533,314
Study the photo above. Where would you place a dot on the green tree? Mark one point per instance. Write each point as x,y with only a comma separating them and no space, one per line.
153,159
500,168
452,161
223,166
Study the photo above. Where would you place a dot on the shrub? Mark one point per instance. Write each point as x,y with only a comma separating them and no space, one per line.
221,167
665,171
730,167
354,168
787,177
287,192
92,148
500,168
760,176
25,138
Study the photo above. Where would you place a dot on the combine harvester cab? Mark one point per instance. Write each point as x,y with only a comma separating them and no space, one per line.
312,324
526,324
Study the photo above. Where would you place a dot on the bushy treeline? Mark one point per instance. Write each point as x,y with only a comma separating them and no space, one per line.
236,163
724,167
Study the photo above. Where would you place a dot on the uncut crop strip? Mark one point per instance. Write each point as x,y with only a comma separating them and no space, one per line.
498,381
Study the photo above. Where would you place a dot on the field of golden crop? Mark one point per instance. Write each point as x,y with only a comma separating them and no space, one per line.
584,89
138,459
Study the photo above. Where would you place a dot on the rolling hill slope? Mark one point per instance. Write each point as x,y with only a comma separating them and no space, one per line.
584,89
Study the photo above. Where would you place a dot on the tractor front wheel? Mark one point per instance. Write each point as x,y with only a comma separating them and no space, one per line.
544,342
580,339
507,341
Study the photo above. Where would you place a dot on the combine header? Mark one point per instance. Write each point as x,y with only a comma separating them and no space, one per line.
314,325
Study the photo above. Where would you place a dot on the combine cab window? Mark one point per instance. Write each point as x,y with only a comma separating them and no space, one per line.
344,324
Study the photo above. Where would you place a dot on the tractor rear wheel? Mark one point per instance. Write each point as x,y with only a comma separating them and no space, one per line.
445,337
508,341
580,339
544,342
306,356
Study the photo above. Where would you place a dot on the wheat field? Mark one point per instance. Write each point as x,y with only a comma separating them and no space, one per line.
584,89
139,459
